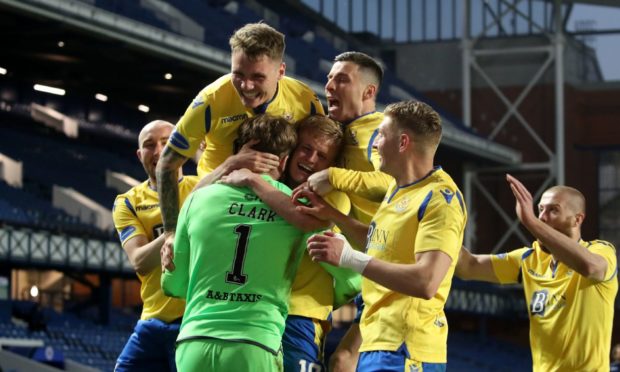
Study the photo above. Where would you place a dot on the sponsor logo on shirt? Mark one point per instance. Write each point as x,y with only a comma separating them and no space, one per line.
534,273
542,302
376,238
234,118
146,207
232,297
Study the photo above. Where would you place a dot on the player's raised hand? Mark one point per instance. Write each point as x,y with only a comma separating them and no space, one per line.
256,161
316,205
239,177
319,182
524,200
325,247
166,252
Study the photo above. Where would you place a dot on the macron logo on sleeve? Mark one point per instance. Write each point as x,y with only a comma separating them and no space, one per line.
178,141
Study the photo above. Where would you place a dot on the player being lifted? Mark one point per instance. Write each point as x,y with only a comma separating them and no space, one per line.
255,85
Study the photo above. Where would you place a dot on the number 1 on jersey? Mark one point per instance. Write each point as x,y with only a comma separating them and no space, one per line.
236,276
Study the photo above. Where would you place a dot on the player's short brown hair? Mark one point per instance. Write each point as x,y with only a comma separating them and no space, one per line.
274,133
419,118
371,69
258,39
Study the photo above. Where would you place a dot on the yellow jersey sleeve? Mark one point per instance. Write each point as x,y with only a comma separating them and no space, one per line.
608,252
193,126
369,185
338,200
507,266
126,220
441,225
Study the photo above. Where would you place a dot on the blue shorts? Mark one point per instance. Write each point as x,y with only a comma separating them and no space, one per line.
302,344
395,361
150,347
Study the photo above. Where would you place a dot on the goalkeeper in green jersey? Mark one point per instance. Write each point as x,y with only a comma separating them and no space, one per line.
234,264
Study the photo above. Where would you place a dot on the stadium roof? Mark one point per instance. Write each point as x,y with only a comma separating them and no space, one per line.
126,59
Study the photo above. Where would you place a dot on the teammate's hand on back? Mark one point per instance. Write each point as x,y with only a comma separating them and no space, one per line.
239,177
256,161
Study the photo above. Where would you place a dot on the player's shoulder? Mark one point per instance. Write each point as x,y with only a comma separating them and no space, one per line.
134,192
131,197
222,84
294,86
374,117
600,243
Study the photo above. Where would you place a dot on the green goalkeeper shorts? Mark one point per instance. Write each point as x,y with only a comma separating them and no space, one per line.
211,354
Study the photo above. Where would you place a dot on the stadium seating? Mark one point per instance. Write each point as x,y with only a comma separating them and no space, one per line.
78,339
49,158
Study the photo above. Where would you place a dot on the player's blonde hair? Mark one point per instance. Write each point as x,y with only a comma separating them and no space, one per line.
258,39
420,119
324,126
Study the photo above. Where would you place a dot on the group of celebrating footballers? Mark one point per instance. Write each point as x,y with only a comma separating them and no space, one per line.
293,213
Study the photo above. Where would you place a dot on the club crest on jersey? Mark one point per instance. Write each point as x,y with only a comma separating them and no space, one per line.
402,205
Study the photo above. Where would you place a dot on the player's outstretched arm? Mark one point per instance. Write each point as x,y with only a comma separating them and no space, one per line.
421,279
278,201
143,255
475,267
369,185
563,248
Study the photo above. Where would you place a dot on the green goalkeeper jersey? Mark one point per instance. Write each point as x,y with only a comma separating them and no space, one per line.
235,262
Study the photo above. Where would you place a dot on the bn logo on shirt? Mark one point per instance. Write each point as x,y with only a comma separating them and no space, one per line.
539,302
